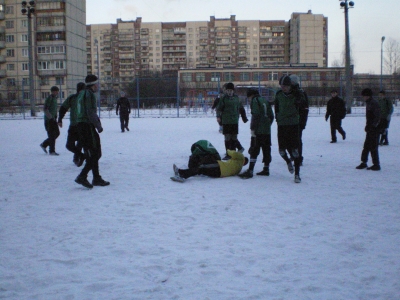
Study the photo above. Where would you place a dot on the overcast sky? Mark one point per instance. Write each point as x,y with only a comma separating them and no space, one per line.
369,20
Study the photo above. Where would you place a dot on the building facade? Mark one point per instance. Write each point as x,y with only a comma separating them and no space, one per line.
58,49
130,49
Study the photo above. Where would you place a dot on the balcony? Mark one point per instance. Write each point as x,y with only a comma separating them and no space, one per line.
3,73
2,44
2,59
2,29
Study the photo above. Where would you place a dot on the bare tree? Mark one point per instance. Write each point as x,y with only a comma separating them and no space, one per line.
392,56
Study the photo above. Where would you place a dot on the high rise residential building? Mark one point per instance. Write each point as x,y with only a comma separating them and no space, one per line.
58,48
129,49
308,38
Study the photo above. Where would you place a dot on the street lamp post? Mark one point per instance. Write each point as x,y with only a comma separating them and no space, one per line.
96,42
382,40
349,93
29,9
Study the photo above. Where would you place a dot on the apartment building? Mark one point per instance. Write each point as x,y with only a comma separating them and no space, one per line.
58,49
308,38
133,48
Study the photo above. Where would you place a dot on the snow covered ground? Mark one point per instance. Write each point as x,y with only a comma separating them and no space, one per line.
334,236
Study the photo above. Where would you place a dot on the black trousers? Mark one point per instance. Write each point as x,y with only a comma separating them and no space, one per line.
371,146
261,142
90,140
288,142
124,119
73,143
53,132
211,170
336,124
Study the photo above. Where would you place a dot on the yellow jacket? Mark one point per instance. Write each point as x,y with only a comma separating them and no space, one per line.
232,166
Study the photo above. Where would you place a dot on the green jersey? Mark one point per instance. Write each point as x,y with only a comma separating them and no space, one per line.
262,115
85,109
386,107
228,109
287,108
84,106
70,103
51,106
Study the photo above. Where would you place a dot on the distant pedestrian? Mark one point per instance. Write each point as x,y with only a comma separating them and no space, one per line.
124,108
88,121
228,110
287,106
303,110
386,107
215,104
260,128
73,143
373,116
336,109
50,122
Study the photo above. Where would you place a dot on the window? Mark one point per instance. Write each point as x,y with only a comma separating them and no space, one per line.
273,76
257,77
45,95
59,64
25,81
330,76
187,77
25,95
24,23
24,37
59,80
200,77
43,65
10,81
9,38
48,5
10,67
9,10
215,76
229,77
25,52
10,24
315,76
244,76
44,80
51,49
25,67
10,53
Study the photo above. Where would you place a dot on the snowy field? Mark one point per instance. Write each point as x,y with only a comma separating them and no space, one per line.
334,236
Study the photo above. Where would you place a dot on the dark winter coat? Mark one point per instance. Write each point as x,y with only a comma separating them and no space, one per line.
336,108
373,115
123,106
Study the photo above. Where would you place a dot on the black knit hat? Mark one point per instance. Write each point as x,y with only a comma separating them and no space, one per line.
54,89
366,92
251,92
80,86
229,86
285,80
91,80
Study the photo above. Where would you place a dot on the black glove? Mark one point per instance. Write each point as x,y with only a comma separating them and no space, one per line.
245,119
100,130
326,118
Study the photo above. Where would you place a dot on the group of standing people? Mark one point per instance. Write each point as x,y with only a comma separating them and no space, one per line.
291,112
83,132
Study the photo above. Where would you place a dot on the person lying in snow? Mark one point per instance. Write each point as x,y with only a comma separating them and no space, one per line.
216,169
